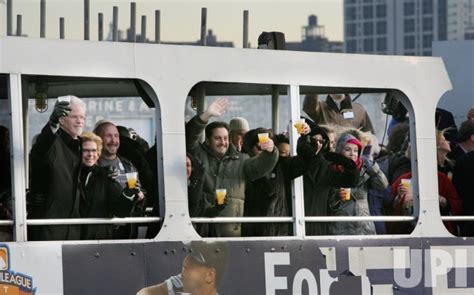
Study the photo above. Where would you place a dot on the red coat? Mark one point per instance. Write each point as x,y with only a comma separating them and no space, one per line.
446,189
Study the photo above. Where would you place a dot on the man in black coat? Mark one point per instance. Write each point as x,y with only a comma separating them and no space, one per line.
463,178
55,163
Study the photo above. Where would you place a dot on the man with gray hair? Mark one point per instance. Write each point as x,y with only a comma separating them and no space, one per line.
55,163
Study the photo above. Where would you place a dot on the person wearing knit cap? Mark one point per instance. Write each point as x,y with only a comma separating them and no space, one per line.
371,177
238,126
323,172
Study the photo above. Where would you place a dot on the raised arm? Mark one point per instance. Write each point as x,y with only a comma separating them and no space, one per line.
258,166
197,124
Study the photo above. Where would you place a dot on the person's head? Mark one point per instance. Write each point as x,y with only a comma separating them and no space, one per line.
331,134
237,128
466,132
189,166
349,146
319,138
123,131
109,134
204,266
73,123
251,141
442,144
217,137
283,144
397,137
337,96
91,148
470,114
310,102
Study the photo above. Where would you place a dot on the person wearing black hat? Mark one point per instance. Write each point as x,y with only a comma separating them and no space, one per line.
202,271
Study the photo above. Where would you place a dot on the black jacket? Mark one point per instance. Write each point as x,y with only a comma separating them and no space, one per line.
101,197
269,196
55,163
325,173
463,178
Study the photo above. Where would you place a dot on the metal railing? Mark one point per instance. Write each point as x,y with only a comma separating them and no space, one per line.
305,219
79,221
457,218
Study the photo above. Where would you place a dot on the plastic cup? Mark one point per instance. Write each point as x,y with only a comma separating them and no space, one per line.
262,138
347,194
131,179
299,125
406,183
220,195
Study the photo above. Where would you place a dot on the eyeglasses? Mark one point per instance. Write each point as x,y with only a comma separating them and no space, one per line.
321,141
91,151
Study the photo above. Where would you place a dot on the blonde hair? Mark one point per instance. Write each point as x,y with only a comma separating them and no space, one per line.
440,133
90,136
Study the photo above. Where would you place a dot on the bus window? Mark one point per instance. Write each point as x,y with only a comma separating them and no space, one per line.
238,162
112,173
362,166
454,148
5,162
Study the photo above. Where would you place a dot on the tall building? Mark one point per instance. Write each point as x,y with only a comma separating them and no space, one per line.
461,20
398,27
313,39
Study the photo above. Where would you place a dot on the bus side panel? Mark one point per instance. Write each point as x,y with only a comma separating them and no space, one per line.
347,266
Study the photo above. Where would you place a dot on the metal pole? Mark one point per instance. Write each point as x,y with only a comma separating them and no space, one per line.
275,109
133,12
86,19
203,25
43,19
115,24
101,27
157,26
245,41
61,27
9,17
201,98
18,25
143,32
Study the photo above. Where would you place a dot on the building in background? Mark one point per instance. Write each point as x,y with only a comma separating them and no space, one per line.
313,39
401,27
461,20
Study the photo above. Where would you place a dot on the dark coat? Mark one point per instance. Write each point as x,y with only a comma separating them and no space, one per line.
55,163
267,196
101,198
230,171
463,179
324,174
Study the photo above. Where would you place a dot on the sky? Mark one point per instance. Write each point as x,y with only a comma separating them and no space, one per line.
180,20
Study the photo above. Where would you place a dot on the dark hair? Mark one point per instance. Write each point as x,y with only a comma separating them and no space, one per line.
214,125
466,130
210,254
397,137
281,138
251,138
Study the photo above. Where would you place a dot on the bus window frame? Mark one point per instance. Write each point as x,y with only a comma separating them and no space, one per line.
18,105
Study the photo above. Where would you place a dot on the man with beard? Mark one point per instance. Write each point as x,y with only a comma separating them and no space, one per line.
55,163
109,134
224,166
202,271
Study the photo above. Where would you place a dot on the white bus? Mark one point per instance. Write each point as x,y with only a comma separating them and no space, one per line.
429,260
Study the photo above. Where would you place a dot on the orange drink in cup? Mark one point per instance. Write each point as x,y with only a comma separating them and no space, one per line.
131,179
220,195
299,125
262,138
347,194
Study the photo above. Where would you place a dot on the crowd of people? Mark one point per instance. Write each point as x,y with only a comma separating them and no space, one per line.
77,174
345,171
235,171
